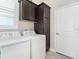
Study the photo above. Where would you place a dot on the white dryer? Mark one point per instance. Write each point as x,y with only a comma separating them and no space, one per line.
38,44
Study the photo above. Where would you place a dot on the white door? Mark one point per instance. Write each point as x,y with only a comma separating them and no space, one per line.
65,26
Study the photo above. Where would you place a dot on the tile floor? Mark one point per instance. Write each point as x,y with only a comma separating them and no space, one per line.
53,55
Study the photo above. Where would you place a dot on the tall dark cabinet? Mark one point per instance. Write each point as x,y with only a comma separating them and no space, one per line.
26,10
42,22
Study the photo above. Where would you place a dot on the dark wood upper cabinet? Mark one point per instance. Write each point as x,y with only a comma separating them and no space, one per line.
42,11
26,10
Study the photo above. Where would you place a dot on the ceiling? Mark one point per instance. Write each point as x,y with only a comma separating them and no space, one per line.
55,3
64,2
60,3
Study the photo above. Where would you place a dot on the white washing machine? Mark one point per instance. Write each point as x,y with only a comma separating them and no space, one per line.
13,46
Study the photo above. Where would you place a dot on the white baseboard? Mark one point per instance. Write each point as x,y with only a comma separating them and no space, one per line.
52,50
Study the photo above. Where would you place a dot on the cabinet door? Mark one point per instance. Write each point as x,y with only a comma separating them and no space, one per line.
41,13
17,51
46,11
47,32
40,28
32,11
27,10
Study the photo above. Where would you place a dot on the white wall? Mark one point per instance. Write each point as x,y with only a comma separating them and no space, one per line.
52,29
22,25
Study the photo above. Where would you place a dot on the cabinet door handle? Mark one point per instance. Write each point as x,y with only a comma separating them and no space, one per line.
57,33
0,52
19,1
